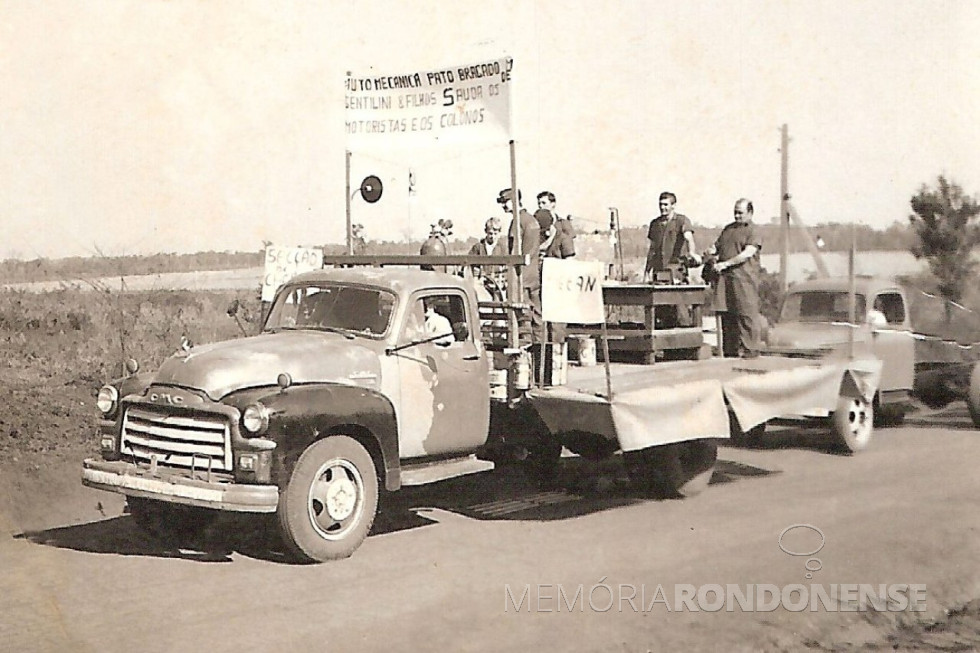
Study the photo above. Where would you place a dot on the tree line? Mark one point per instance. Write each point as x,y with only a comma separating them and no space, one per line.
943,228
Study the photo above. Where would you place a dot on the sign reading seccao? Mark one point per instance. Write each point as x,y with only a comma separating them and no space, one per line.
458,104
284,263
571,291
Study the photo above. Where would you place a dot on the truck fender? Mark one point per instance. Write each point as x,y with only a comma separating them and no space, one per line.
301,415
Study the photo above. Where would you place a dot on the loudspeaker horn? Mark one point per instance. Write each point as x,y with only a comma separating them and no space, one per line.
371,189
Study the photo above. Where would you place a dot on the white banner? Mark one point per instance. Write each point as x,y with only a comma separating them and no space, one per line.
460,104
284,263
571,291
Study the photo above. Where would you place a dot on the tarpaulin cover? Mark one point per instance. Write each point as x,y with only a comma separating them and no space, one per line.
689,400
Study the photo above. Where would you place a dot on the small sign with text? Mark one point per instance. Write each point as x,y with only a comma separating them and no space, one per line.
571,291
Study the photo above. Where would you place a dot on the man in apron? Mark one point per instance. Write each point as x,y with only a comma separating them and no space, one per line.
737,251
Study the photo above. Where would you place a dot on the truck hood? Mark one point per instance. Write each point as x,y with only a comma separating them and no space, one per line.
814,335
307,356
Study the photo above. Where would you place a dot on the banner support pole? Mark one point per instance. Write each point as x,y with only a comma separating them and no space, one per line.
347,197
605,357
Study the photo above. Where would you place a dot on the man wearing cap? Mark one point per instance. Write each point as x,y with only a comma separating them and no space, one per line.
671,237
530,237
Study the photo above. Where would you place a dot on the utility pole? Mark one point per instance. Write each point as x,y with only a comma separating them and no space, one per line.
784,207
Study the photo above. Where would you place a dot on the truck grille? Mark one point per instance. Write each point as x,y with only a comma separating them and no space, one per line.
199,441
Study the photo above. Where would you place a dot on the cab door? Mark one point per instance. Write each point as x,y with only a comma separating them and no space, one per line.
444,383
892,341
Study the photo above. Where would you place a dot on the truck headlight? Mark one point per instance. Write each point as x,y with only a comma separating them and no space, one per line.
107,400
255,419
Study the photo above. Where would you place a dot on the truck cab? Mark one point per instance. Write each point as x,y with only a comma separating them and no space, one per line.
815,317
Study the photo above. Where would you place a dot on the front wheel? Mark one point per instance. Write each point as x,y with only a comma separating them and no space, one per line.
673,471
330,501
853,423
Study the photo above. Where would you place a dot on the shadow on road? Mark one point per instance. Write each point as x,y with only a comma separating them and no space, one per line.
812,435
956,417
582,487
251,536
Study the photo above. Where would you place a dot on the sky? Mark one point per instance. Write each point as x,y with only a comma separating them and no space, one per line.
184,126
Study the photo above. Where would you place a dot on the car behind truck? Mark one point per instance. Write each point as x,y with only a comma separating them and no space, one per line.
365,378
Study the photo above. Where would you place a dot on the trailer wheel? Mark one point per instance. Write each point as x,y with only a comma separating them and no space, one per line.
330,501
672,471
853,422
973,395
170,522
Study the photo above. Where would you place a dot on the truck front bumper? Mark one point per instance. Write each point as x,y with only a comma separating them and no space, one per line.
126,478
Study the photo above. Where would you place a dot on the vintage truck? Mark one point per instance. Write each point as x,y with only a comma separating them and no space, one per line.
365,378
915,365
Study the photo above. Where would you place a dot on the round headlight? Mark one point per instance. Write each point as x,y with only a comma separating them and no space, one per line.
255,419
107,399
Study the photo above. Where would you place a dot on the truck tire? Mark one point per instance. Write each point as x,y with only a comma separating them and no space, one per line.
853,423
330,500
973,395
543,462
673,471
172,523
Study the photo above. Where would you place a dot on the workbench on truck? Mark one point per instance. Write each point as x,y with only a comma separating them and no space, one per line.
671,326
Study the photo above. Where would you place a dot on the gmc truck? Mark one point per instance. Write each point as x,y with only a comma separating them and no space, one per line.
365,379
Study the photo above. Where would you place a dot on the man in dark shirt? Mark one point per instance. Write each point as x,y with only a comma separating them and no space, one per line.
671,237
530,237
557,233
737,250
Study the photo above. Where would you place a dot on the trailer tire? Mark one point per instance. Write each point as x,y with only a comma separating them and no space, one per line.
329,502
673,471
853,423
973,395
172,523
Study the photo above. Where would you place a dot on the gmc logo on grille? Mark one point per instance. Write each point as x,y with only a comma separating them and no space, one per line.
166,398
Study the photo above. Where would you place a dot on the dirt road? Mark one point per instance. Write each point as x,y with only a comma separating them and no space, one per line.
490,563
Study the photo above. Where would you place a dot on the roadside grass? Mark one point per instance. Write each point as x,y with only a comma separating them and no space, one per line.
58,348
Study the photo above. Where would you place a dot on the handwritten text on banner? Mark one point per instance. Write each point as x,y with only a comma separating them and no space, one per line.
460,104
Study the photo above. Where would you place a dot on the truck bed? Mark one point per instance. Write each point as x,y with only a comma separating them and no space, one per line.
688,400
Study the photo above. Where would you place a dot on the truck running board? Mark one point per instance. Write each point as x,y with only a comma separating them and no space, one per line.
438,470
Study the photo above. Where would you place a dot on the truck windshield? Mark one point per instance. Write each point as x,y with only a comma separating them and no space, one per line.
332,307
820,306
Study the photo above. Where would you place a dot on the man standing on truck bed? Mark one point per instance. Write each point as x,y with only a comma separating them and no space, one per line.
737,249
530,234
671,237
557,234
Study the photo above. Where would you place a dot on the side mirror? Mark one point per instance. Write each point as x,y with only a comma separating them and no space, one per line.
461,331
